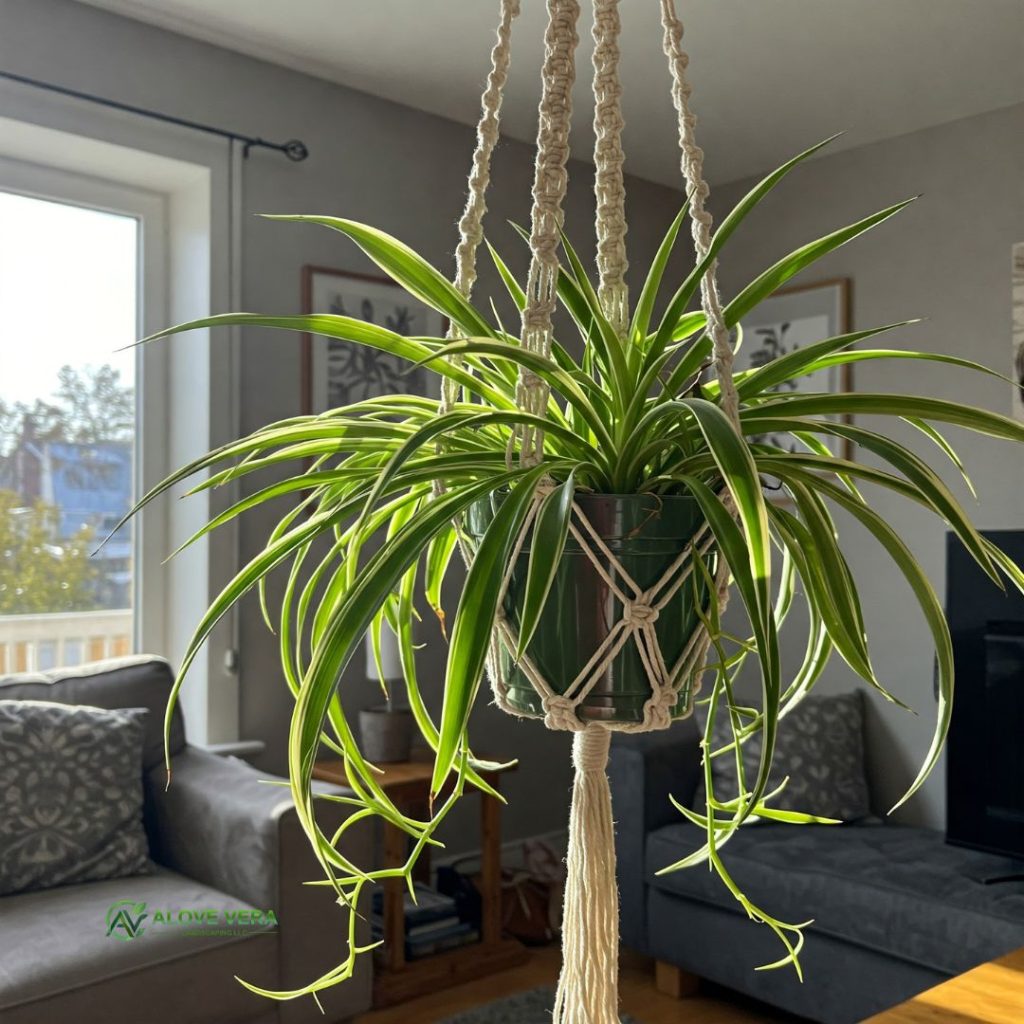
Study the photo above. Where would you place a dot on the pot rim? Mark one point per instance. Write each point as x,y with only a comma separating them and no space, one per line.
663,519
611,495
614,495
384,709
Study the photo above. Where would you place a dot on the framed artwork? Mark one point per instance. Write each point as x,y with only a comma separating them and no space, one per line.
789,320
1017,340
336,372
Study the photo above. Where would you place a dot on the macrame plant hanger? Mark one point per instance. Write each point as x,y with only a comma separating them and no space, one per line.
588,986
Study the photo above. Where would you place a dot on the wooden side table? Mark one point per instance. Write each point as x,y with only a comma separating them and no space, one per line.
396,980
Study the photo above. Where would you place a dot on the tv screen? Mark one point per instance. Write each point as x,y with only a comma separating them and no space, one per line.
985,756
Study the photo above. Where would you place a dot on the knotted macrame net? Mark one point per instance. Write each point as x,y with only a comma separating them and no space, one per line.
587,990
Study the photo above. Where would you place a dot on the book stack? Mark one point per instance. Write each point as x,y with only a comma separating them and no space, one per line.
432,923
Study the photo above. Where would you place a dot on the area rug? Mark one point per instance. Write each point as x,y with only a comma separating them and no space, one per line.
533,1007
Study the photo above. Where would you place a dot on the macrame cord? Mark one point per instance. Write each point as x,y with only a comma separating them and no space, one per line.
471,223
549,187
609,186
587,989
700,219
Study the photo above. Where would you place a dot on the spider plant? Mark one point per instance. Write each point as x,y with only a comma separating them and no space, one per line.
378,490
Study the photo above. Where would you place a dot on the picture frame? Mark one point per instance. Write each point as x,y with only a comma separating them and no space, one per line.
337,372
793,317
1017,330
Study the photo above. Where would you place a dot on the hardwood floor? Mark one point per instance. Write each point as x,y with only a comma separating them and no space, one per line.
990,994
639,997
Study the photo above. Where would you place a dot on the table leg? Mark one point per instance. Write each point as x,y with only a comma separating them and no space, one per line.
395,855
674,981
490,867
421,870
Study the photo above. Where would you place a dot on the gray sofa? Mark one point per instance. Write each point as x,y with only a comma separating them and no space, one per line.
896,909
221,839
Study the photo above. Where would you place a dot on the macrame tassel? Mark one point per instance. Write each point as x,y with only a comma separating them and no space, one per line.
588,986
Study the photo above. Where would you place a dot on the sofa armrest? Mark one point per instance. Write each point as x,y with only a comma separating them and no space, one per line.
220,823
643,770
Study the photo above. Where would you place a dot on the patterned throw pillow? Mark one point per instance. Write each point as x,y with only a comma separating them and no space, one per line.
70,794
820,746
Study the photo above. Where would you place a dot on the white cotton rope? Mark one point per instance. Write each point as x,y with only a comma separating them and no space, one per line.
488,132
587,990
609,183
549,187
471,230
700,218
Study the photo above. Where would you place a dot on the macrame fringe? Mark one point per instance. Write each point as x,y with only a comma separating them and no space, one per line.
588,985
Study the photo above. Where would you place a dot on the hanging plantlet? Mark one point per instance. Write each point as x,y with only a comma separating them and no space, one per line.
606,507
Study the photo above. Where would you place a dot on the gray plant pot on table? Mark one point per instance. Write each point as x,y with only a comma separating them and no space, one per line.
386,734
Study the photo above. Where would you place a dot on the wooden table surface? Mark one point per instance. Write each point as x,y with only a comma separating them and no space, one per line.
990,994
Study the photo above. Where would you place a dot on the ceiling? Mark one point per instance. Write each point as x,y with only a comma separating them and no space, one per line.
770,76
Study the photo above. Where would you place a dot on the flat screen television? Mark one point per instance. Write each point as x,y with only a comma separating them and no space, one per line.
985,754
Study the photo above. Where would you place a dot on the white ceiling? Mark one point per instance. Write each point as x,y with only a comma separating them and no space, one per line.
770,76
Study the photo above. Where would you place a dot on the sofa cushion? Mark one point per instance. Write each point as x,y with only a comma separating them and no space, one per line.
54,946
819,749
139,681
842,983
894,889
70,794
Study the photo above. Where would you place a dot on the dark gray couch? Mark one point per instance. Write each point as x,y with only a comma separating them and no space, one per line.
896,909
221,839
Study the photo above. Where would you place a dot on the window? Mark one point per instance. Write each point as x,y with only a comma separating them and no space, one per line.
69,304
183,193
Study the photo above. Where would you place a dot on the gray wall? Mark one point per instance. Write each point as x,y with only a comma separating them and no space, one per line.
946,258
371,160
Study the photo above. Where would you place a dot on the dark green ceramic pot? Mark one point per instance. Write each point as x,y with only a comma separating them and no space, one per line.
646,534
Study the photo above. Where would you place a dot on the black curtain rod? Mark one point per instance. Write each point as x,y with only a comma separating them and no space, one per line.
294,149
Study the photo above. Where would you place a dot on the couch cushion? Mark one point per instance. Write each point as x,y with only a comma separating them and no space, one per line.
139,681
70,794
897,890
54,947
819,749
